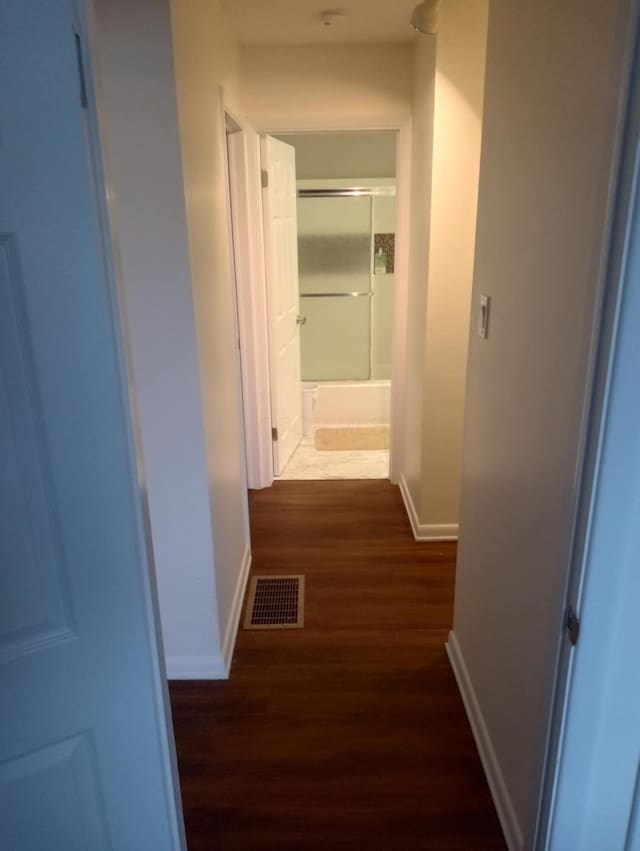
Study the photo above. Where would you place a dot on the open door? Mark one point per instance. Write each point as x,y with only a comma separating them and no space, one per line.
86,751
281,250
591,797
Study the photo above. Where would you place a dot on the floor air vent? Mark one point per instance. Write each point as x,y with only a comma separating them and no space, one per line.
275,602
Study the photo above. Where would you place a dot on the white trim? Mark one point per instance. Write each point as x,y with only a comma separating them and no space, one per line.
401,286
385,186
215,667
231,632
437,532
83,16
293,126
408,504
425,531
284,126
195,668
237,250
246,226
499,791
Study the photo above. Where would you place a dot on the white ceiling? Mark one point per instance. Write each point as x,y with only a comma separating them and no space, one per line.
263,22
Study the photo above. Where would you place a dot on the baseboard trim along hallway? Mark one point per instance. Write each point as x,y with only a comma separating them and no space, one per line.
231,632
425,531
195,668
215,667
504,806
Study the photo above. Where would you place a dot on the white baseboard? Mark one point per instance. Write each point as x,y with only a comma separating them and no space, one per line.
501,798
229,641
195,668
437,532
214,667
425,531
408,504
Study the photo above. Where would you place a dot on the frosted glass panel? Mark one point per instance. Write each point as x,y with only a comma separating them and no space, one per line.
381,325
334,244
334,340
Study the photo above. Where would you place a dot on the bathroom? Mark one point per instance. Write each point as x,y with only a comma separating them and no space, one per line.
346,211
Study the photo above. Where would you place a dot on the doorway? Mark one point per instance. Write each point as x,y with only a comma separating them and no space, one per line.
329,202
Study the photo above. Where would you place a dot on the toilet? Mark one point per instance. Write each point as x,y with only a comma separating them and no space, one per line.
309,398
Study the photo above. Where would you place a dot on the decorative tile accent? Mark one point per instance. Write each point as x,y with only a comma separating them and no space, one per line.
387,242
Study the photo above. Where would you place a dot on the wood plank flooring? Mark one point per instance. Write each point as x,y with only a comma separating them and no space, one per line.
349,733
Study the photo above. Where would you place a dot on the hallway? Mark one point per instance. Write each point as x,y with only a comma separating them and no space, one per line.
349,733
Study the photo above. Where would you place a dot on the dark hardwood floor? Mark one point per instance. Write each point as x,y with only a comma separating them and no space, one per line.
349,733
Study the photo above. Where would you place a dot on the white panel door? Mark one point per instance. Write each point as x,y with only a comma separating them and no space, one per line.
281,248
86,757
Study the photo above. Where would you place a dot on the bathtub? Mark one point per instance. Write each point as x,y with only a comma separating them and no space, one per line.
352,403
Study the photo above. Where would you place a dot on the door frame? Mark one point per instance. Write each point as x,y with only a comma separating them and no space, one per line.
586,591
244,214
85,22
252,299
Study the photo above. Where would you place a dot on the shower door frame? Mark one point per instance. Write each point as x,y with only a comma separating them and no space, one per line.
260,437
348,188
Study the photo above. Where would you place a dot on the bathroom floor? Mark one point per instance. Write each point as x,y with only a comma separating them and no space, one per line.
307,462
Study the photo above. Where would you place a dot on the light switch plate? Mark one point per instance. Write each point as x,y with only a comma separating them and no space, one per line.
483,317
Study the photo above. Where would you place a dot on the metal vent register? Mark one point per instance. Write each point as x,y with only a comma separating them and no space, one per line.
275,602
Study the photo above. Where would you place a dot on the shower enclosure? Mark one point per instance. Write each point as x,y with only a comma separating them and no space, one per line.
346,261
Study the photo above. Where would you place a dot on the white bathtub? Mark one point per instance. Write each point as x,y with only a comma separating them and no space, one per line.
352,403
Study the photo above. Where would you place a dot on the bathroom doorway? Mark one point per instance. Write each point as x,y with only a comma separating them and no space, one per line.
338,357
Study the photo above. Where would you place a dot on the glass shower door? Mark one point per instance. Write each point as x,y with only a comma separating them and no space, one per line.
334,259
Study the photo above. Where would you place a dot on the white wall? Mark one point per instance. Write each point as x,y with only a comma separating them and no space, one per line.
349,402
327,86
338,87
343,155
457,127
206,59
140,138
546,165
448,92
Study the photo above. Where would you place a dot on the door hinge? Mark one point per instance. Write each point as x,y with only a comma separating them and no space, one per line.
274,433
264,177
83,80
572,625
